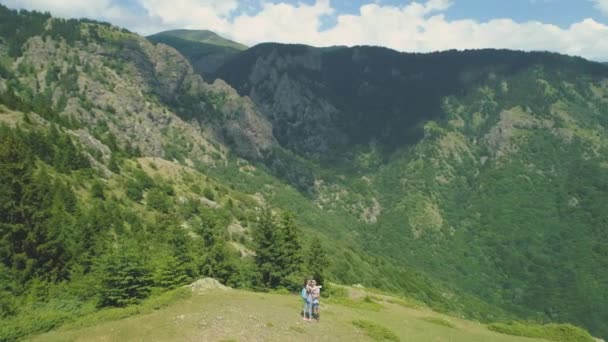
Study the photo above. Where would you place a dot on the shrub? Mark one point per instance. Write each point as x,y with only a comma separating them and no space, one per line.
97,190
158,200
375,331
34,322
134,191
333,291
208,193
439,321
551,332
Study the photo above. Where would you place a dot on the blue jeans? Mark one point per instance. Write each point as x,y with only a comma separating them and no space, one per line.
307,309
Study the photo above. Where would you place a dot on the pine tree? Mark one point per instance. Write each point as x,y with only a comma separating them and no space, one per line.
182,248
125,278
217,261
171,273
317,261
278,251
16,208
291,260
56,248
266,252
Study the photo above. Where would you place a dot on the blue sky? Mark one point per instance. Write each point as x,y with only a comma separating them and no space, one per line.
575,27
558,12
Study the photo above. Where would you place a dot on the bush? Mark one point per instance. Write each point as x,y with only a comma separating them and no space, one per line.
439,321
34,322
158,200
281,290
375,331
97,190
333,291
134,191
208,193
551,332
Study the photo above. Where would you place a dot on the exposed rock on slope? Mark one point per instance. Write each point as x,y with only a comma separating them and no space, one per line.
112,82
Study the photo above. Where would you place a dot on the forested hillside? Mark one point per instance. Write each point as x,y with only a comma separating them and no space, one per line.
484,168
472,181
122,177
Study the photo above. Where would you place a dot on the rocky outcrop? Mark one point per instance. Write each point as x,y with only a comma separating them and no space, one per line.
117,87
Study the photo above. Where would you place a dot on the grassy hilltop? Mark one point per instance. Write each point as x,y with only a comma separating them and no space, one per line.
233,315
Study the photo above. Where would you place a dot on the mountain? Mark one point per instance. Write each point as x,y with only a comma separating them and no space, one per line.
323,100
124,174
471,181
205,50
485,168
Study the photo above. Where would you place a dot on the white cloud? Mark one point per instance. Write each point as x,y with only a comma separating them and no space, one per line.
281,23
417,26
602,6
190,13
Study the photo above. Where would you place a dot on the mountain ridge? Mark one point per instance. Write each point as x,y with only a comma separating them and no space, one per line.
205,49
488,205
201,36
324,69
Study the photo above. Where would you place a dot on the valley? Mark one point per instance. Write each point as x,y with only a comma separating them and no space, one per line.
472,181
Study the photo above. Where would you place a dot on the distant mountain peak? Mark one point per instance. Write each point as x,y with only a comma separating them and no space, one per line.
201,36
206,50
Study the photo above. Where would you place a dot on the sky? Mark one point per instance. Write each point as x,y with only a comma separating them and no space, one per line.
574,27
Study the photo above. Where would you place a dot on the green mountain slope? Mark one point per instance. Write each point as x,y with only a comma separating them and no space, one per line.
125,174
122,177
205,50
483,168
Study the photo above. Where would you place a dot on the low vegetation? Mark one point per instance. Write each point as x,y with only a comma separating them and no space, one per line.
439,321
376,331
551,332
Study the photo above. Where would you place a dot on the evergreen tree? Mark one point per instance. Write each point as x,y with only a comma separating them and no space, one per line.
291,260
97,190
278,251
266,254
8,305
125,278
182,248
316,261
171,273
16,177
56,248
217,261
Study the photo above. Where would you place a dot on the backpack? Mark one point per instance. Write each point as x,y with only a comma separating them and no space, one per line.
304,294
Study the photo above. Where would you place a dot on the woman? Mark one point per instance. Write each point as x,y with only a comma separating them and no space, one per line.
315,294
307,297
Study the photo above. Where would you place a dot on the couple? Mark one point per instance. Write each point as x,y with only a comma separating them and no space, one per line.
311,294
